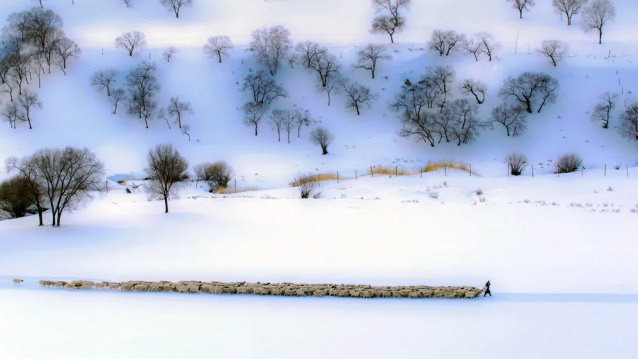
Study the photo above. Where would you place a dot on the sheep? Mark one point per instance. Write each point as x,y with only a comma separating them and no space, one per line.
45,283
60,284
17,281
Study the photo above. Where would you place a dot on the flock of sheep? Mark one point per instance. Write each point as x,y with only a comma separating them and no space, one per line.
278,289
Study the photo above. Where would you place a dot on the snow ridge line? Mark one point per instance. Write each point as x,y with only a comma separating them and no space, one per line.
275,289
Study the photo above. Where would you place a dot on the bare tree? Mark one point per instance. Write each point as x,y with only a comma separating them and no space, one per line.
270,46
28,101
465,123
555,50
443,77
143,87
301,119
322,137
630,120
117,95
169,52
357,95
65,50
178,109
104,80
285,120
263,88
176,5
217,46
277,118
128,3
11,114
490,46
530,89
597,15
474,47
369,56
444,42
412,105
166,168
391,20
521,5
512,117
67,176
388,25
475,88
568,7
27,169
308,51
253,113
131,41
326,66
332,86
602,110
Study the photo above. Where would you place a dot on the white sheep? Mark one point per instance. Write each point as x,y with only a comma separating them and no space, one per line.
17,281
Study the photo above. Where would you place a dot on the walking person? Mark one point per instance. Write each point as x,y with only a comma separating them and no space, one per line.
486,289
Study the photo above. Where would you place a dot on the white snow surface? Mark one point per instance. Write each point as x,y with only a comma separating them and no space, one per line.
560,250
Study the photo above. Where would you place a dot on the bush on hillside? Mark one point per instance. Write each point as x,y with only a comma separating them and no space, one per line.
517,163
568,163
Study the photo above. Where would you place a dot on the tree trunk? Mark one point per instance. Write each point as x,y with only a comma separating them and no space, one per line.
255,130
219,55
40,216
356,106
391,39
600,37
324,150
165,204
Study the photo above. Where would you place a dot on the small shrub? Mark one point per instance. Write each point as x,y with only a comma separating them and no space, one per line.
307,185
568,163
217,174
517,163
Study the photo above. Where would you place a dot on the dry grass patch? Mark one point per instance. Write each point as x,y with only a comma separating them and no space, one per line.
313,178
388,170
438,165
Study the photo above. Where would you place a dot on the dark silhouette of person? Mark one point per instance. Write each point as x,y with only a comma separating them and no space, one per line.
486,289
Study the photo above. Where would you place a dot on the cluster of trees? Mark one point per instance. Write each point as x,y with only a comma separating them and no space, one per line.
33,44
522,95
446,42
57,180
140,95
603,113
596,14
429,113
52,179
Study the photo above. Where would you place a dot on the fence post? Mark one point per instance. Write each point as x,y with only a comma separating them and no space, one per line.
470,170
371,173
337,176
605,174
421,172
235,185
582,171
106,182
396,171
355,175
445,169
532,170
627,167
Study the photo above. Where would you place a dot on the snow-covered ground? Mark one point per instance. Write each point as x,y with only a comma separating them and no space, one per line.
560,251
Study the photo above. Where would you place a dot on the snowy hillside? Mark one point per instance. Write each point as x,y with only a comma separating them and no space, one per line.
560,250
